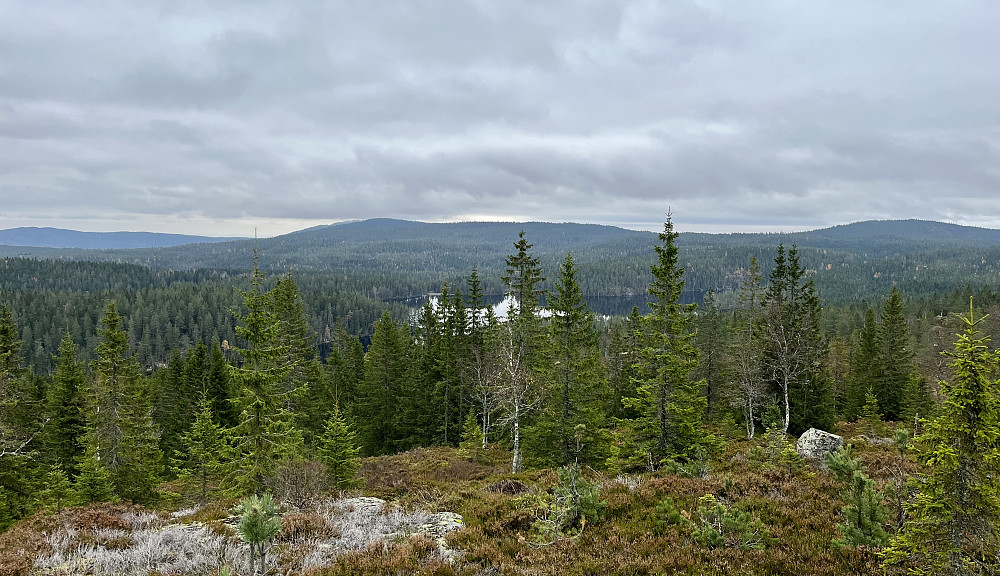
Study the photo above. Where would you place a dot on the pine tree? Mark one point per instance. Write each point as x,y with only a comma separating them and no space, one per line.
264,436
339,450
670,401
200,450
67,424
864,513
953,523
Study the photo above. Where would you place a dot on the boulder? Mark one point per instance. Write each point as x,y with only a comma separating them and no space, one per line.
816,444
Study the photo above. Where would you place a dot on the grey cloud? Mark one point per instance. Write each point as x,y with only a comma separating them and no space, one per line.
735,115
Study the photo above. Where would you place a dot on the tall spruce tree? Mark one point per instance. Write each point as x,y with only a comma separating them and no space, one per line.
866,366
571,417
297,341
794,350
712,341
264,437
519,345
377,405
21,425
898,366
120,418
670,400
67,423
953,523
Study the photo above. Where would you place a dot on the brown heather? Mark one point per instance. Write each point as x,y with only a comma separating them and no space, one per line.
800,505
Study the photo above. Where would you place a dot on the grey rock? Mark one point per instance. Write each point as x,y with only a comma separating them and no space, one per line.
438,526
815,444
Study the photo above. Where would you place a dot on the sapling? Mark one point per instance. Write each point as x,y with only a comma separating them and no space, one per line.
259,523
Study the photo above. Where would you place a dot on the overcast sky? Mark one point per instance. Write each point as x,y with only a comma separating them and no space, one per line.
224,116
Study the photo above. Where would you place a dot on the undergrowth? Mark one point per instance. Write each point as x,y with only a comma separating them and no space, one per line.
770,513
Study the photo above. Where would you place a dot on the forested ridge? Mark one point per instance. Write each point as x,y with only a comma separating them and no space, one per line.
127,382
394,259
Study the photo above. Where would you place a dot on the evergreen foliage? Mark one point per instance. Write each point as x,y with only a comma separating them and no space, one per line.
120,424
669,401
259,524
952,522
864,513
67,423
794,348
571,413
201,448
265,435
339,450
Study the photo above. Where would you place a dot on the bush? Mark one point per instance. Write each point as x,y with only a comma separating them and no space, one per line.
714,524
298,482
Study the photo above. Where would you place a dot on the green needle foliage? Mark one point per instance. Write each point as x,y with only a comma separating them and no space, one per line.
339,451
953,523
259,524
670,402
201,449
265,436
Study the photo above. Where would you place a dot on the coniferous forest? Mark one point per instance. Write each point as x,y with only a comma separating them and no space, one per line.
192,420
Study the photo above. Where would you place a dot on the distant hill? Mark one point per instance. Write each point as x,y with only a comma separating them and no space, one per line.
60,238
388,258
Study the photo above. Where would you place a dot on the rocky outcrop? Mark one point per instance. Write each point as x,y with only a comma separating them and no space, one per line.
815,444
440,525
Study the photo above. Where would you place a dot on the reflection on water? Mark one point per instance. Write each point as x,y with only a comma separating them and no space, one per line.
600,305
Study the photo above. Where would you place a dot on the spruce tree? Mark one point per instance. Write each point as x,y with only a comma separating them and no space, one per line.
296,339
712,341
200,449
866,366
120,423
794,349
574,376
67,423
58,490
377,406
93,483
953,523
339,450
264,436
519,345
670,400
897,357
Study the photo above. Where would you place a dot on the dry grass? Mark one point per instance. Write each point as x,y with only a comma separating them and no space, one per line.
799,504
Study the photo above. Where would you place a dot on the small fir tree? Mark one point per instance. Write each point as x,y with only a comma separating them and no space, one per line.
93,483
953,522
58,491
201,448
340,452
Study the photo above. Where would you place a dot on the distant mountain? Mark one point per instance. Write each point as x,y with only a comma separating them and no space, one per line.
60,238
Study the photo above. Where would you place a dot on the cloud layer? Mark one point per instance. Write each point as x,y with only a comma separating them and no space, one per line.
217,117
